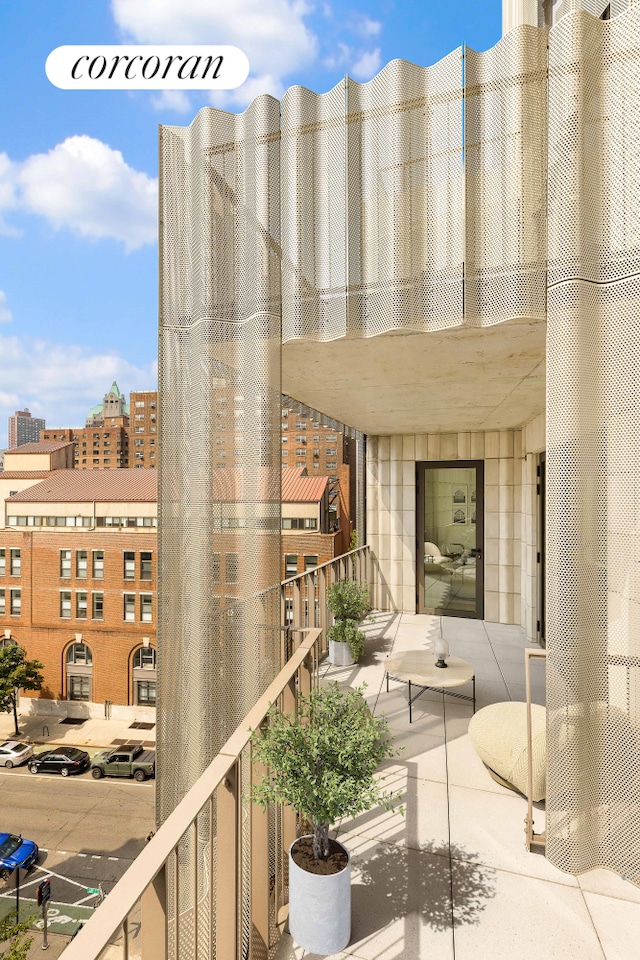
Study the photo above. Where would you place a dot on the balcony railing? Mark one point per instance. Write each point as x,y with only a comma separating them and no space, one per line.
213,880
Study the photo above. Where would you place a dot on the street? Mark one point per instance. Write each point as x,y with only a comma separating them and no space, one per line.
89,831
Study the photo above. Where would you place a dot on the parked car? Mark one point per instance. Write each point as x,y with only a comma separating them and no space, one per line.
14,752
16,852
63,760
129,760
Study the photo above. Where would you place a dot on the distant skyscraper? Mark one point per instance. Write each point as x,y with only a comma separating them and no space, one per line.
23,428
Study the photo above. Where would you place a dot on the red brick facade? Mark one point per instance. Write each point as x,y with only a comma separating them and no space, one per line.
52,587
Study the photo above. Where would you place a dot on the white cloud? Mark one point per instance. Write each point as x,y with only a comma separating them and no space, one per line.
272,33
60,382
5,313
86,186
367,65
366,27
175,100
340,56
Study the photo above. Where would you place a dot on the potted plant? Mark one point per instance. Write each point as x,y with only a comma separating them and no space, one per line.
321,761
349,603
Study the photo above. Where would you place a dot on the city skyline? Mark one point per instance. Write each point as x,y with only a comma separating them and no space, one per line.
78,170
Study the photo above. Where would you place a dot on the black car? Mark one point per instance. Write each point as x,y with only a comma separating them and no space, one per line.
63,760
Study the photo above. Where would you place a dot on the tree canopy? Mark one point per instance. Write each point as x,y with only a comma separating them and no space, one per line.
17,673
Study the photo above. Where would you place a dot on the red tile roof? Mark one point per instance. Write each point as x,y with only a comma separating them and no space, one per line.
24,474
40,446
299,488
68,486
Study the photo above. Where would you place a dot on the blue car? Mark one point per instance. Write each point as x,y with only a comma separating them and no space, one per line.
16,852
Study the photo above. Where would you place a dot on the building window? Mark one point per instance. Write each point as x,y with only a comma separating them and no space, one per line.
97,606
146,607
301,439
301,425
145,659
146,572
129,565
330,437
139,429
310,561
3,603
130,607
65,604
299,523
78,688
332,466
146,693
290,565
301,452
65,564
139,404
79,653
231,568
15,563
81,604
310,523
215,568
3,562
81,564
330,452
16,603
316,438
98,564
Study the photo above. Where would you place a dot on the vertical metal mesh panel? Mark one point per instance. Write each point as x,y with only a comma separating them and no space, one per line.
593,458
505,178
372,204
220,417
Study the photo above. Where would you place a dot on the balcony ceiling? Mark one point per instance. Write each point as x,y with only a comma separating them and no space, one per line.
461,379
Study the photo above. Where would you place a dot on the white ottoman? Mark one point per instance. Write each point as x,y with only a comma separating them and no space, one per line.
499,735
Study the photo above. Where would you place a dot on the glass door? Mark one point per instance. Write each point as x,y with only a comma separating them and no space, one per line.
450,529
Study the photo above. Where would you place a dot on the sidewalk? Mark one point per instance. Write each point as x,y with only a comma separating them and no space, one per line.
99,734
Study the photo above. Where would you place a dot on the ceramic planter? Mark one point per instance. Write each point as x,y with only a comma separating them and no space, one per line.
340,654
320,908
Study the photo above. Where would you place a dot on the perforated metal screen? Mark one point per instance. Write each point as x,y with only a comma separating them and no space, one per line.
593,452
220,418
362,211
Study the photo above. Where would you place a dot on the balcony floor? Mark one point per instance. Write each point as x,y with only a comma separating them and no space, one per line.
452,878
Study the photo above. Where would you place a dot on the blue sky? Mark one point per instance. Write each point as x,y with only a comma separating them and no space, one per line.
78,170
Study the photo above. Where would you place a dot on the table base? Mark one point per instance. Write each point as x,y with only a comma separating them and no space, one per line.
443,690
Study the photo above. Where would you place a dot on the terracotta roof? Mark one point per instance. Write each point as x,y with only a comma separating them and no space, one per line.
302,489
40,446
124,484
24,474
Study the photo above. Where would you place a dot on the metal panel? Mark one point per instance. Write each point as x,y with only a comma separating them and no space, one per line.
593,458
220,339
505,179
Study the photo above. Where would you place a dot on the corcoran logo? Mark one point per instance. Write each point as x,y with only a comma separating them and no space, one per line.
158,67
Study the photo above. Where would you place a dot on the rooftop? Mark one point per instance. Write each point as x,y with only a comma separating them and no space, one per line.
126,484
452,880
299,488
41,446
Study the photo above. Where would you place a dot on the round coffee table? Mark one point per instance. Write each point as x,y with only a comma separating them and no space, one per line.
418,668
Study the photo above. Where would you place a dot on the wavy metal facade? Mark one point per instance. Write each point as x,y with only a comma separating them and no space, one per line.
593,445
490,186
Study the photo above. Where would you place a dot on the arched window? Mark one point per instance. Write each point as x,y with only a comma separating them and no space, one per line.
144,677
8,642
79,669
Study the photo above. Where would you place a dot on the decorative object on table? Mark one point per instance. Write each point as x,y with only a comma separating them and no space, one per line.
321,762
441,650
349,603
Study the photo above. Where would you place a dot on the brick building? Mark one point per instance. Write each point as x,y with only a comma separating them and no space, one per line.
307,537
23,428
78,582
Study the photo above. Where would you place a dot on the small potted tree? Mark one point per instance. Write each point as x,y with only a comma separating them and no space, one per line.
322,762
349,603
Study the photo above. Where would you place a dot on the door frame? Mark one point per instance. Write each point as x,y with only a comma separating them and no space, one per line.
421,468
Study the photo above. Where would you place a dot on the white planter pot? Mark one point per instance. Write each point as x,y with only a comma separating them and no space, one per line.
340,654
320,908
